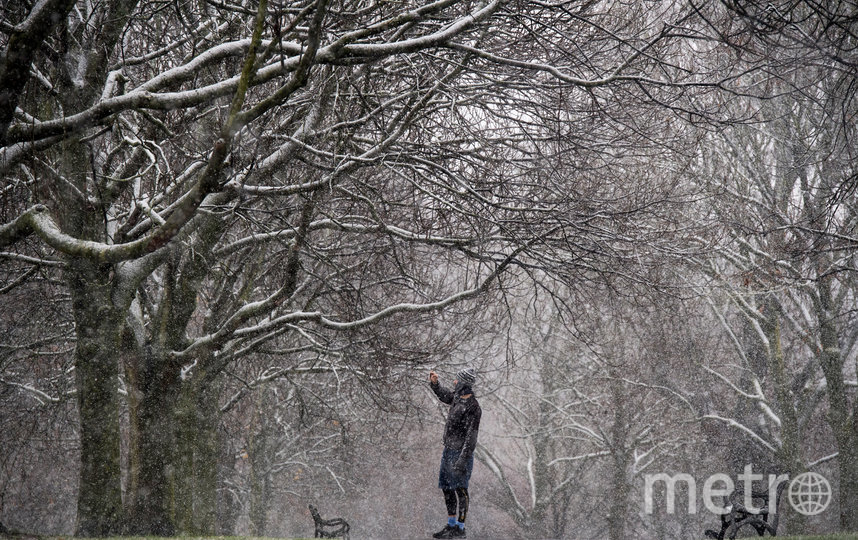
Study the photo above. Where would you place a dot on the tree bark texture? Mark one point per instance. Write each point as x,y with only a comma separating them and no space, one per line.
196,462
151,513
839,415
100,510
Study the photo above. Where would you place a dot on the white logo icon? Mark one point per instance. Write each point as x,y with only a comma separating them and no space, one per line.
809,493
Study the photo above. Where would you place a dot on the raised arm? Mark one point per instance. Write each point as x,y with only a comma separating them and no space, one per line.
446,396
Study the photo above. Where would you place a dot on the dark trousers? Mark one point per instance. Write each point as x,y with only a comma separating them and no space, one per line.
450,499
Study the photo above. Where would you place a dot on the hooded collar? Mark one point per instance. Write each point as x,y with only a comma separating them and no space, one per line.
462,389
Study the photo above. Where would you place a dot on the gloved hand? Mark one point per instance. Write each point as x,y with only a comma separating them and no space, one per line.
461,466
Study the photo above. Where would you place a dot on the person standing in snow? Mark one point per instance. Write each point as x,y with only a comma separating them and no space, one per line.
460,439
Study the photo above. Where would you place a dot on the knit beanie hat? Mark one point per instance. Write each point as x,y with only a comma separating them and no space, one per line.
467,376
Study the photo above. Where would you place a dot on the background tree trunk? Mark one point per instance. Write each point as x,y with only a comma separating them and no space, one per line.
156,419
100,510
840,413
196,463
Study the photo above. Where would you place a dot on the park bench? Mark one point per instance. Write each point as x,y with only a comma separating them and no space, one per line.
329,528
741,521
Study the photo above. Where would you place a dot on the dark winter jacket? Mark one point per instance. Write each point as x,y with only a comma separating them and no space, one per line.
463,421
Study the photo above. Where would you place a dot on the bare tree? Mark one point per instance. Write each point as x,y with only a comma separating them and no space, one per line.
219,178
787,267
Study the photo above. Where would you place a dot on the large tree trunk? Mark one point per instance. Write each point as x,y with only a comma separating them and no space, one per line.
98,322
618,497
96,372
98,327
788,457
844,434
183,470
839,413
132,356
156,413
197,445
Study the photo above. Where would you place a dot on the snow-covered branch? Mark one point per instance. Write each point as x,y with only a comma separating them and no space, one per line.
147,95
38,395
743,429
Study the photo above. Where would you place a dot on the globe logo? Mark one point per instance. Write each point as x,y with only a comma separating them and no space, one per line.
809,493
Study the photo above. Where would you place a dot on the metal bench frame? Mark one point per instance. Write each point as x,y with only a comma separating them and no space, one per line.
329,528
742,519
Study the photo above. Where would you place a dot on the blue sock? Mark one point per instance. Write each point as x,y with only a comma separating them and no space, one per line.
460,525
451,521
